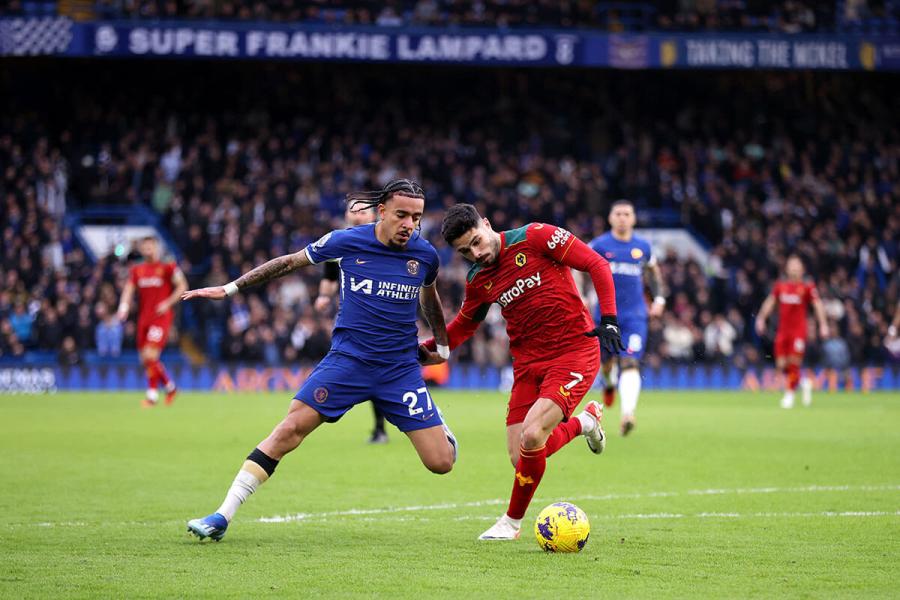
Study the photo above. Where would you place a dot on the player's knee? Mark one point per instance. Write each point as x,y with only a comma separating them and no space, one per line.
440,465
289,429
533,436
628,363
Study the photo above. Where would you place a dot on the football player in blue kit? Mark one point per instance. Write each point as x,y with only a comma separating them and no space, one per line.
629,257
386,270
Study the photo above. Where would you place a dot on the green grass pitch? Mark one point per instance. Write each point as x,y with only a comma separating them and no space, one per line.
714,495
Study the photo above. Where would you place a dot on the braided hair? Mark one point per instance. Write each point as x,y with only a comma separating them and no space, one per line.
371,199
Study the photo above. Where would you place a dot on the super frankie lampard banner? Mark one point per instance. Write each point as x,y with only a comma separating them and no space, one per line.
221,40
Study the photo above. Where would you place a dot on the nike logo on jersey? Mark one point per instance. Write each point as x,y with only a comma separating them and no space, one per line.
361,262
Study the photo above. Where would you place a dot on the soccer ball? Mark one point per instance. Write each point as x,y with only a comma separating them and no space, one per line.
562,527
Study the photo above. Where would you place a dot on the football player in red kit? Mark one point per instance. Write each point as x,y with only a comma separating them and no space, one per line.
159,286
552,338
792,295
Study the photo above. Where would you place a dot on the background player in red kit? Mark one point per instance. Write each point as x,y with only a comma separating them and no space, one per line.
159,286
552,338
792,295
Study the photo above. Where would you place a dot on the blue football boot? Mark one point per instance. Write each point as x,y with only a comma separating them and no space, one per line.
212,527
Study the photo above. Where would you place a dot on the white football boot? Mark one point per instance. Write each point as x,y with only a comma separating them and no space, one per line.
806,389
504,529
595,437
787,401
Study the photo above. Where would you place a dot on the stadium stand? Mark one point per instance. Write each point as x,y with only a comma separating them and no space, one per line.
784,16
238,177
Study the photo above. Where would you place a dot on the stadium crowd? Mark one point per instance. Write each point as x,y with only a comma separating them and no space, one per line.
783,16
790,16
758,165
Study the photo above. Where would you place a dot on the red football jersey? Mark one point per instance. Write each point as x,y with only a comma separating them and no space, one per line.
793,299
533,285
154,284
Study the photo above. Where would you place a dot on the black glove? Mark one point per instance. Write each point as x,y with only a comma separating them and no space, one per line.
608,332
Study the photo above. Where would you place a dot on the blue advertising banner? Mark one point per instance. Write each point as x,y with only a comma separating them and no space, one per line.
241,40
37,379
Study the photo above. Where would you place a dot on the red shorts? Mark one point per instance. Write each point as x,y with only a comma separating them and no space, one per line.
154,331
789,344
565,380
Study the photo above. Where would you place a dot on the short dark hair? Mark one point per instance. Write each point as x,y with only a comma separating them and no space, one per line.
458,220
621,202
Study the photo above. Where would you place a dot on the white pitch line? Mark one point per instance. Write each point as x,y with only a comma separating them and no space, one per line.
632,496
651,516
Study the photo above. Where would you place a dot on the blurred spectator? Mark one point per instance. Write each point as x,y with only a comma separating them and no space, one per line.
68,353
679,339
109,332
719,337
21,321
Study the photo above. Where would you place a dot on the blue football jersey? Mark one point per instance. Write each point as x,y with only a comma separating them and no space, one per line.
627,261
379,291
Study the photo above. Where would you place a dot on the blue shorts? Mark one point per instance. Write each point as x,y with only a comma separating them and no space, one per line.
340,382
634,337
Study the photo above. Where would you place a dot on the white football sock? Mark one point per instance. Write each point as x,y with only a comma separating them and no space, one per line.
244,485
612,380
629,390
587,422
517,523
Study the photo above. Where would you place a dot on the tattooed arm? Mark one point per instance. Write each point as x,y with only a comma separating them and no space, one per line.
434,313
657,288
275,268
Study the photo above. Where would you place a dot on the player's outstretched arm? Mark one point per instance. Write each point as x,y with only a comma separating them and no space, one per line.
464,324
433,310
434,314
568,250
894,327
819,309
180,288
764,311
657,288
125,301
273,269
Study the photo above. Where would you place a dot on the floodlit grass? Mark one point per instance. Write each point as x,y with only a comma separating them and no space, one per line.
715,494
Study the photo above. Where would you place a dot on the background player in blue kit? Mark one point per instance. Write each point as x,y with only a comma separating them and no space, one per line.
629,257
386,270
